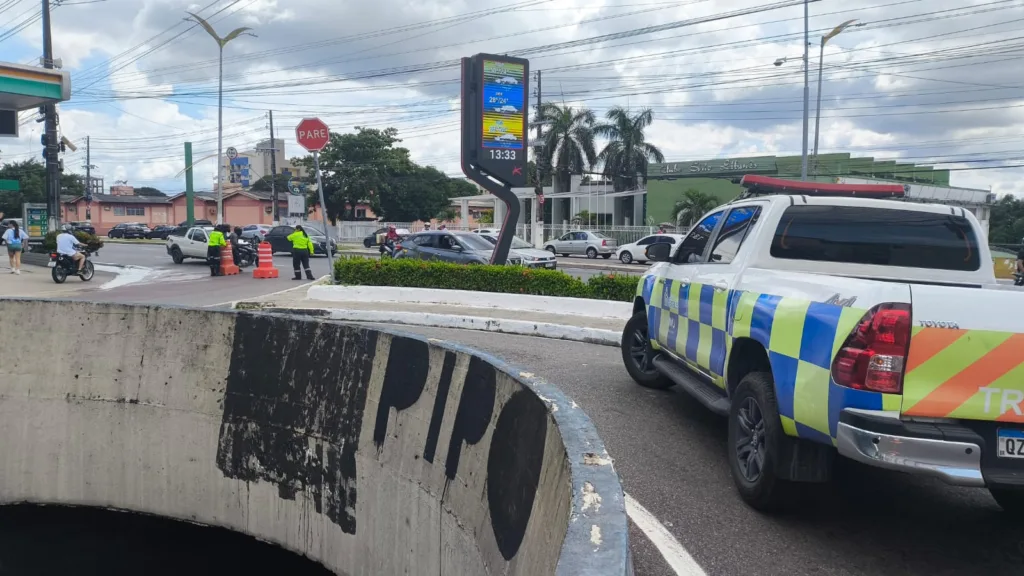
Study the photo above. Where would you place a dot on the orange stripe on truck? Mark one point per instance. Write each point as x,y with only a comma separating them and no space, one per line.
952,393
928,342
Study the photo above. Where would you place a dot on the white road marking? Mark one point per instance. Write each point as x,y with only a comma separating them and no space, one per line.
677,557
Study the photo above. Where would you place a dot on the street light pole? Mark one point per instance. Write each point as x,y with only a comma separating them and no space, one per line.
807,91
221,42
821,61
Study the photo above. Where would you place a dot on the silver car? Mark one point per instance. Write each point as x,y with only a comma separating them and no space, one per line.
531,257
583,242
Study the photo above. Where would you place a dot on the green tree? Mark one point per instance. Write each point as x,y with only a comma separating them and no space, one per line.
457,187
486,217
448,214
1006,225
263,184
31,178
418,193
586,218
627,153
568,144
693,205
148,191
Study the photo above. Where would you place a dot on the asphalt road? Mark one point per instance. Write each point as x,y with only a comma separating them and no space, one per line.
670,454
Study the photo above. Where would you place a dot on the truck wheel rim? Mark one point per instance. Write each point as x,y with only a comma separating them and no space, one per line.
750,446
638,350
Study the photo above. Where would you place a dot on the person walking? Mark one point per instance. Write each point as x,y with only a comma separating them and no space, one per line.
16,239
302,247
213,246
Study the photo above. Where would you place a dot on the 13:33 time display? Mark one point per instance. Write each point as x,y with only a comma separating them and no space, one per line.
503,154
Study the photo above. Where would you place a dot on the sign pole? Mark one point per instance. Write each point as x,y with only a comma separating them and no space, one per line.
323,213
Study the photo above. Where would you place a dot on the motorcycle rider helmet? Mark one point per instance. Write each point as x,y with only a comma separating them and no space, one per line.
67,228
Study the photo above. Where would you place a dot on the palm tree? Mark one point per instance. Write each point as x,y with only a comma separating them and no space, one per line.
568,144
627,152
693,205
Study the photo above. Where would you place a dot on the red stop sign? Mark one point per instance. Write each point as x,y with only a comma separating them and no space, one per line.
312,134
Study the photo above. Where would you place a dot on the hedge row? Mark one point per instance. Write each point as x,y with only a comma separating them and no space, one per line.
406,273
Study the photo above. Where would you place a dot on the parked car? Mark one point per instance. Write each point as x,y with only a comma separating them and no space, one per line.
161,232
491,231
637,251
128,230
583,242
196,223
83,227
532,257
255,232
278,238
371,240
185,243
454,247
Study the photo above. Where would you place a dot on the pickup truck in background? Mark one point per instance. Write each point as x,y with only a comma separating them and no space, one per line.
823,325
190,244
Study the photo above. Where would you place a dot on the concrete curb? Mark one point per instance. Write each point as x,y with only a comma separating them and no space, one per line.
589,308
499,325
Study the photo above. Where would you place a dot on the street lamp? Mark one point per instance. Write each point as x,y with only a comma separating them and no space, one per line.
221,42
821,59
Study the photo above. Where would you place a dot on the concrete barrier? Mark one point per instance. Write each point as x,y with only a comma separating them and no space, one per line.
372,452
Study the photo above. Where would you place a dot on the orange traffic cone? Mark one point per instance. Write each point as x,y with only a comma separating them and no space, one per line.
227,262
266,266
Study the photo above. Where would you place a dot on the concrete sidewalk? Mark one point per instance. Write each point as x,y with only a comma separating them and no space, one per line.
559,326
36,282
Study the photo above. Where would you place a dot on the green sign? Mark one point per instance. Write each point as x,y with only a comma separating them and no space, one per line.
9,186
37,220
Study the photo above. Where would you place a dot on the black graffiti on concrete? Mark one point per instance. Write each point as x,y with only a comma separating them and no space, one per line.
476,405
440,401
404,380
513,468
293,409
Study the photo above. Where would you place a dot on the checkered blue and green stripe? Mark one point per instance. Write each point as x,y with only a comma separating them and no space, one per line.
699,324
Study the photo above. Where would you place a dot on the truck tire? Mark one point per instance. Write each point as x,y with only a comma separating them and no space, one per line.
637,354
755,442
177,256
1011,500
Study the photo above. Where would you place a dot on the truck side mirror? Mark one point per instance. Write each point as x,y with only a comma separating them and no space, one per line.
658,252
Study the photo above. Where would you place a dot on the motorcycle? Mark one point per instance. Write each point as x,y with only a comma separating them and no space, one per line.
1018,279
62,266
390,248
246,255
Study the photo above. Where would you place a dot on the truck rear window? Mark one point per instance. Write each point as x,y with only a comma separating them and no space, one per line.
876,236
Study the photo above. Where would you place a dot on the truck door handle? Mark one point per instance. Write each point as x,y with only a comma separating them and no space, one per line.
721,286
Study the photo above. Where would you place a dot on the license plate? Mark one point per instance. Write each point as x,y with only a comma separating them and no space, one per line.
51,264
1010,443
549,265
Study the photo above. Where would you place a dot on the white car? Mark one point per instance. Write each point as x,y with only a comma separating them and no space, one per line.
507,138
637,251
488,231
532,257
507,109
507,80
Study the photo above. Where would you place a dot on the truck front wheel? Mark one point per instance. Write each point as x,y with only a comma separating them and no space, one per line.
177,256
1011,500
637,354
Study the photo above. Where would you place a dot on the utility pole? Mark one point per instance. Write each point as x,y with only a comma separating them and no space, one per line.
88,180
52,146
273,172
807,90
538,188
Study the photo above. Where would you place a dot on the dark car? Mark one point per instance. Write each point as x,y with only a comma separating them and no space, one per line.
371,240
161,232
454,247
83,227
278,238
128,230
197,223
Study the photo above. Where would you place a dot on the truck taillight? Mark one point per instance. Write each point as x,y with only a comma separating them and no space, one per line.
874,354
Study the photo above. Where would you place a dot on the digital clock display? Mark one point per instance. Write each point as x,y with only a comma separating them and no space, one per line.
504,97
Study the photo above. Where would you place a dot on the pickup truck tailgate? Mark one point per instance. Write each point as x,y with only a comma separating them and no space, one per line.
966,356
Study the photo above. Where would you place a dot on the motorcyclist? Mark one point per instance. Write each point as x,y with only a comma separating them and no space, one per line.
233,238
67,245
390,238
1020,258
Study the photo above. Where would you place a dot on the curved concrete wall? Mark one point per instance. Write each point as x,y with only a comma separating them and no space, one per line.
372,452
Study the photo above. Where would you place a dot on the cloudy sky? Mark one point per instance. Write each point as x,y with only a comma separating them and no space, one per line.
931,82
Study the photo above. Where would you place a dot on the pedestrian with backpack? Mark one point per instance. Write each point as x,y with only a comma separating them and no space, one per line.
16,239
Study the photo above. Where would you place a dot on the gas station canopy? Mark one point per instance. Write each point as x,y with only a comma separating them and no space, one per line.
26,87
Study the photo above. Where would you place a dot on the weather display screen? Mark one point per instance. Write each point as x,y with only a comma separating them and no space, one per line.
504,96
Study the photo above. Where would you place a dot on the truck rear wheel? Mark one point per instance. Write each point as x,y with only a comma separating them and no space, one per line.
755,443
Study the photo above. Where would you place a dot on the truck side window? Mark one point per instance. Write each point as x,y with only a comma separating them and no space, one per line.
692,248
735,230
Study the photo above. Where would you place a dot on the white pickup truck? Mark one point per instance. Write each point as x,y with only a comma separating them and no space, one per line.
818,325
192,244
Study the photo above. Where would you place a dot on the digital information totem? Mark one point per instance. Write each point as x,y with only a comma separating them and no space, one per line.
494,133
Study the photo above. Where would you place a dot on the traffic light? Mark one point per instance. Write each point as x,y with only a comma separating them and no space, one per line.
46,147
